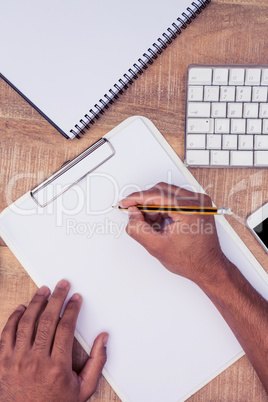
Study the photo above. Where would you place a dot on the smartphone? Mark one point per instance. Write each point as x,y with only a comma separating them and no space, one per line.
258,225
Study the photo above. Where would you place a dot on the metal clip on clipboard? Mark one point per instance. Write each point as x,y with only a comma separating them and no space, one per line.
72,172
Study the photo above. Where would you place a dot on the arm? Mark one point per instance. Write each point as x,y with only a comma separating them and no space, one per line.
36,352
188,245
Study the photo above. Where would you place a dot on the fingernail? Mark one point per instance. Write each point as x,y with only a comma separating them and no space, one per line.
20,308
105,340
63,284
43,291
76,297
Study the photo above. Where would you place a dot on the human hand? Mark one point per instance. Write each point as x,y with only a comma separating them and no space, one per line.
188,245
36,351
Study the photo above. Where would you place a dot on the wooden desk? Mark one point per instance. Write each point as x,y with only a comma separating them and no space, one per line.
31,149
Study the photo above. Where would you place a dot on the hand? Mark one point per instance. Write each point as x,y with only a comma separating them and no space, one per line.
186,245
36,352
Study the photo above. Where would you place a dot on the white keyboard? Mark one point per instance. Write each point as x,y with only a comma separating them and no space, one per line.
227,116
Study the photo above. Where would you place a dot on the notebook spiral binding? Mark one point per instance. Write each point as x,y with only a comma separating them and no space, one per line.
138,68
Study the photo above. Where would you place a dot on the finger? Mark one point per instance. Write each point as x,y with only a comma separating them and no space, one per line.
154,196
63,342
50,318
155,220
164,194
8,336
26,326
138,228
92,371
147,197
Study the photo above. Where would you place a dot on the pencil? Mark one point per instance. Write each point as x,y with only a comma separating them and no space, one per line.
188,210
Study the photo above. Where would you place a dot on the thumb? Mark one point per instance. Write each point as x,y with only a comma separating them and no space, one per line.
91,373
138,228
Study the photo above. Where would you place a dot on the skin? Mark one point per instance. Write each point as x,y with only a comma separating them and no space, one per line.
36,346
197,255
36,352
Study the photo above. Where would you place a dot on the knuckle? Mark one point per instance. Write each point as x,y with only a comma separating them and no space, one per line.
60,347
57,372
25,322
66,326
43,331
21,334
40,341
46,320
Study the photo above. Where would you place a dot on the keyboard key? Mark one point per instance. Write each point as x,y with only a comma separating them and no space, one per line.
261,142
195,93
211,93
265,126
219,158
245,142
200,76
241,158
251,110
261,158
219,109
194,157
213,141
263,110
259,94
235,109
253,76
222,126
264,76
227,94
220,76
229,141
238,126
196,141
254,126
198,126
237,76
227,116
243,94
198,109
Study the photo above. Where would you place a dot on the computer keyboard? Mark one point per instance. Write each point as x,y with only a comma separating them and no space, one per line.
226,116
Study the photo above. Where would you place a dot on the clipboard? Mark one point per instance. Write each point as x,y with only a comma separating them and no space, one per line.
167,340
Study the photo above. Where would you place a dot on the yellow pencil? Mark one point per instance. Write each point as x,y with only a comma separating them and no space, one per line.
181,210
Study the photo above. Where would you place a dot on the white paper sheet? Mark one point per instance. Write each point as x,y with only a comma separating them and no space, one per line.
64,55
166,337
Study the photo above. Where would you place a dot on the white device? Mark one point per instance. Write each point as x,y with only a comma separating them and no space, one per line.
227,116
258,225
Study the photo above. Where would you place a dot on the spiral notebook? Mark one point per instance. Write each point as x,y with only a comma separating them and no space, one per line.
167,339
70,59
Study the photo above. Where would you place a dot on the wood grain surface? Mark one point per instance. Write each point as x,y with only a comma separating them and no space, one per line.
31,149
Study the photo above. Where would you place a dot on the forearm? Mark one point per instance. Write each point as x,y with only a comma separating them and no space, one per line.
246,313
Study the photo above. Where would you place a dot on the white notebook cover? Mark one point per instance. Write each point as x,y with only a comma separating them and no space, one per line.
65,55
167,339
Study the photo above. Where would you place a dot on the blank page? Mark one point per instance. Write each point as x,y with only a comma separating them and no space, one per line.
65,55
166,337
